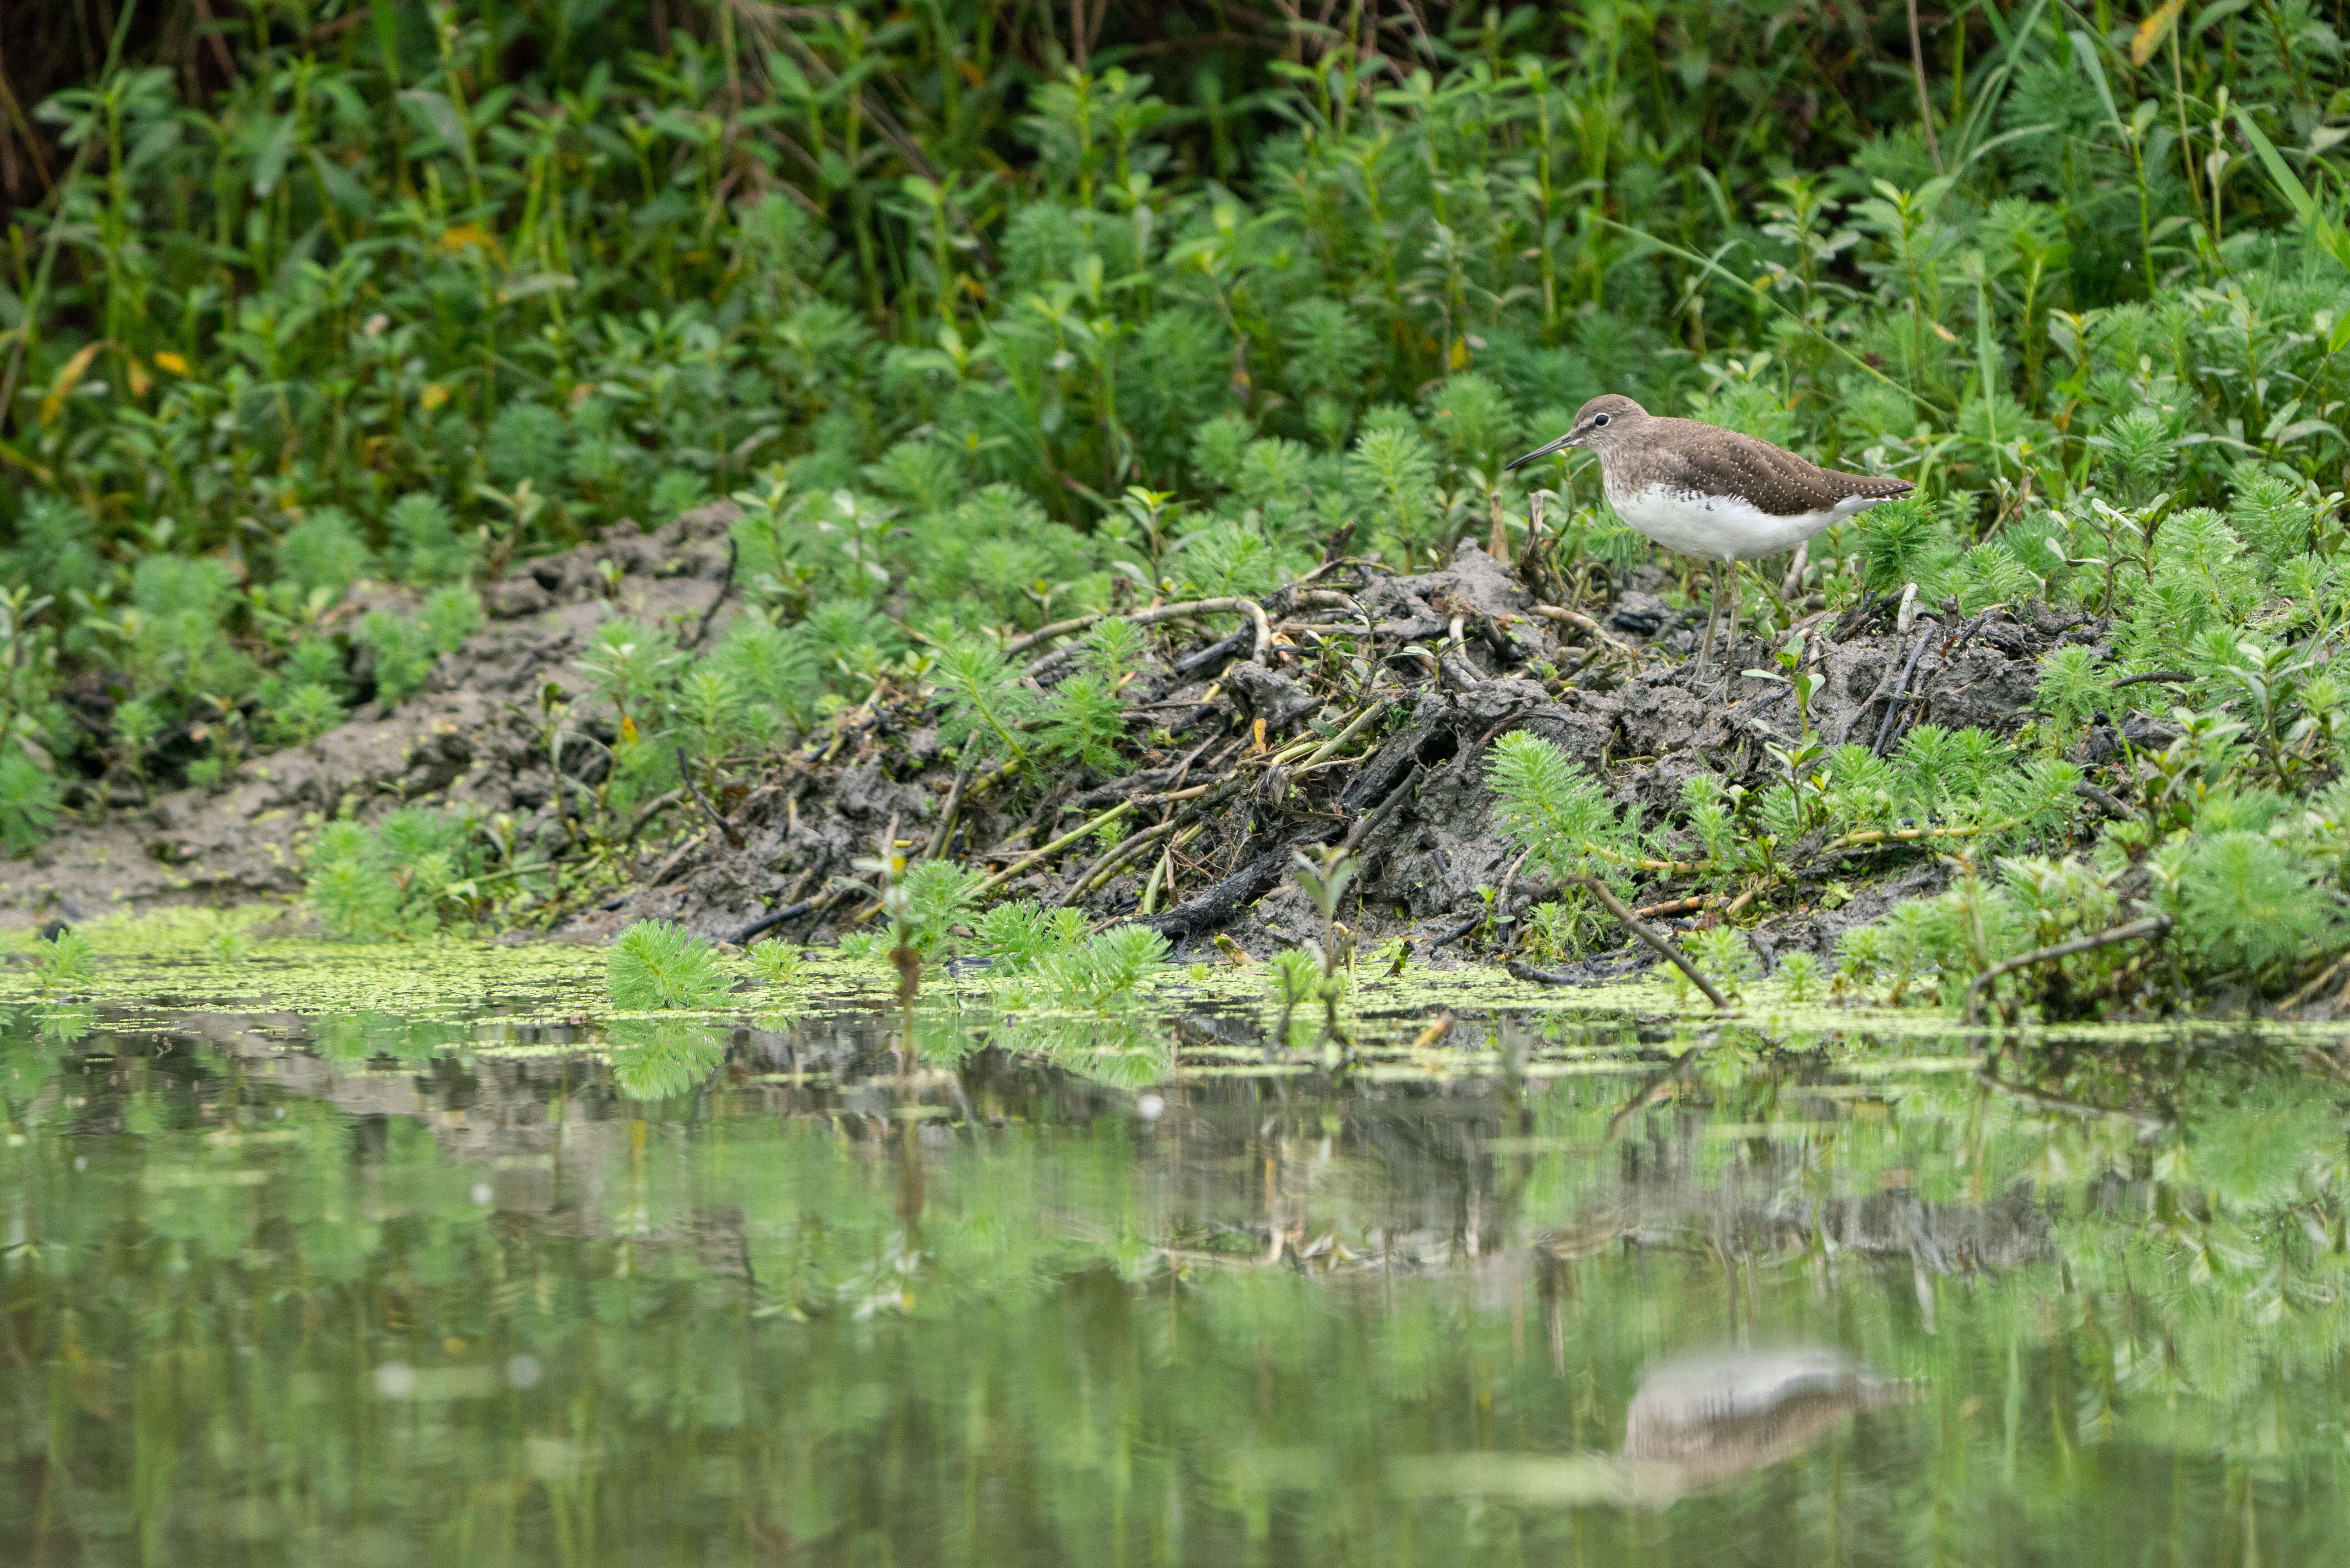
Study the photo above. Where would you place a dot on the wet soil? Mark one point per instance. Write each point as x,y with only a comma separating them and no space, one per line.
1455,659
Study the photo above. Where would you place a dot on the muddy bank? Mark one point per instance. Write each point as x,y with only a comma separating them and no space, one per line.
1362,709
476,735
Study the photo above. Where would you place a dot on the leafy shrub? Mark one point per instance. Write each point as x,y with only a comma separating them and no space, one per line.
525,442
323,554
29,801
405,877
425,546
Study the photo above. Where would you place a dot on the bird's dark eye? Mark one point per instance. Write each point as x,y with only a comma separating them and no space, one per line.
1600,419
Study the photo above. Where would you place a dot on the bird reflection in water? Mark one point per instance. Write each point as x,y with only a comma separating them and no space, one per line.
1703,1419
1696,1422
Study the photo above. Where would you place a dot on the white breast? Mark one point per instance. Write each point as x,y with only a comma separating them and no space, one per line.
1722,527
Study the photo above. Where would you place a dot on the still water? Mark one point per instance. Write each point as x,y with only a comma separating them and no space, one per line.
369,1292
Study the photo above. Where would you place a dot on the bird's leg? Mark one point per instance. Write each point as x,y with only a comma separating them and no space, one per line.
1730,647
1712,613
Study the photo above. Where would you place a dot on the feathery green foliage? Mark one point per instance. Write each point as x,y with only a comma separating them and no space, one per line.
1550,805
407,876
654,965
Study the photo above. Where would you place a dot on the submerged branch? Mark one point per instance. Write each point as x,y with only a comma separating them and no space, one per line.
2152,926
1649,934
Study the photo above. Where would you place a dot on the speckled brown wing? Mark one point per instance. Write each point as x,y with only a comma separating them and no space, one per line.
1708,461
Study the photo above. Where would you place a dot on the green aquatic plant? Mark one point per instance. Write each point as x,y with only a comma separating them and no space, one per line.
2244,902
1798,973
1552,807
661,1058
656,965
65,961
775,962
1104,971
1293,980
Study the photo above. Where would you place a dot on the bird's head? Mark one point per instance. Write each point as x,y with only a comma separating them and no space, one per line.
1599,425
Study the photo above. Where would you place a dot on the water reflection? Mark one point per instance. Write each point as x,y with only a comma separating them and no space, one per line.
1699,1420
378,1290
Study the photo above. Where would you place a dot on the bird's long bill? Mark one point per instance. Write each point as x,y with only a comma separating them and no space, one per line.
1543,450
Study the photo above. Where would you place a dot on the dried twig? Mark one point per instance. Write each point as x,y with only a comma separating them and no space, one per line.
1582,622
938,844
1033,855
1365,826
1152,617
685,768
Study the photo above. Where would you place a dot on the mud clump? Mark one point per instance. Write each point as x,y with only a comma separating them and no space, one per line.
1366,719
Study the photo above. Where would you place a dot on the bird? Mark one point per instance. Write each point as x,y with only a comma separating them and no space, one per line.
1712,492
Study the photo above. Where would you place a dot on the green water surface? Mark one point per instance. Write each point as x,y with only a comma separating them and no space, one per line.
354,1291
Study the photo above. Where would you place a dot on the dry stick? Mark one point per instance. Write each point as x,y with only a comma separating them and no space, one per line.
652,809
1371,710
2103,800
1906,836
1578,619
2152,926
685,768
1033,855
793,911
1676,907
938,844
1113,860
1148,903
2324,978
1893,703
1152,617
1118,854
1502,898
1646,933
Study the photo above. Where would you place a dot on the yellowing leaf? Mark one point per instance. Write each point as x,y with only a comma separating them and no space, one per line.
175,364
67,379
469,236
139,379
433,394
2153,30
628,729
1460,353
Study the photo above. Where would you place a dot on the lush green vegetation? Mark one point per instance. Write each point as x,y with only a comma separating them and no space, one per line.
985,324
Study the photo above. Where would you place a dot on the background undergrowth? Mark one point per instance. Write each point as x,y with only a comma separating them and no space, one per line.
320,314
